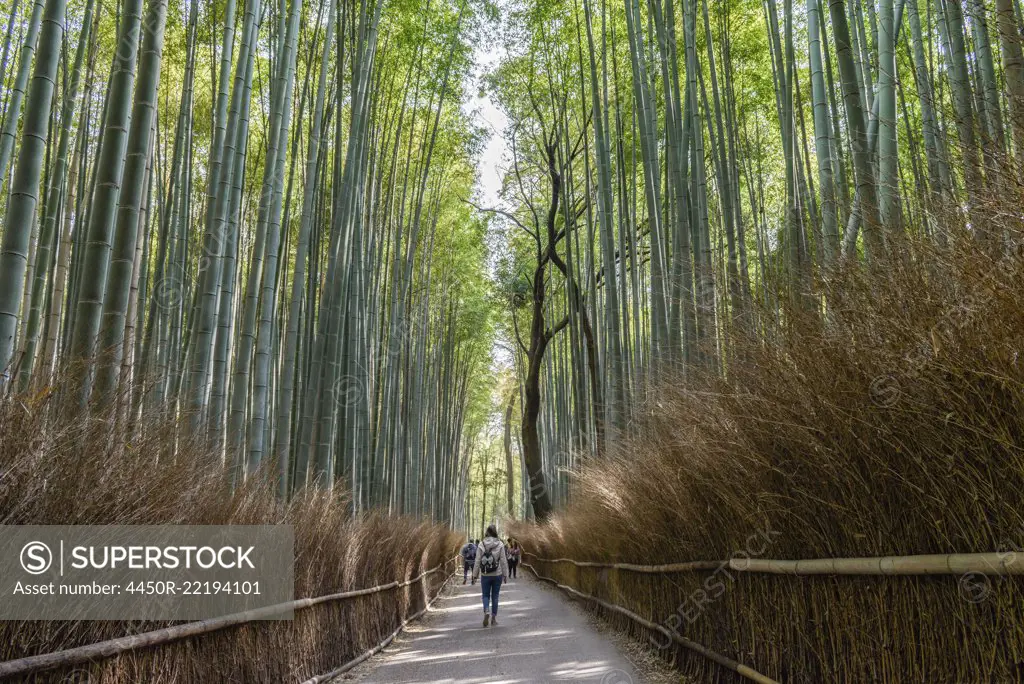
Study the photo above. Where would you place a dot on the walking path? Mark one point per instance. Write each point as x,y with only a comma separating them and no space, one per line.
539,638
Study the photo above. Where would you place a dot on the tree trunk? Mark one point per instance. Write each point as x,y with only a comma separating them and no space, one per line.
509,489
1013,72
25,183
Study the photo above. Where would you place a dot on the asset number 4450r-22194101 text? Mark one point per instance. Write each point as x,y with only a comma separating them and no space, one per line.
191,588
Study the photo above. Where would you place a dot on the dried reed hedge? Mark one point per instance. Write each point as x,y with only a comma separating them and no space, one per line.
79,472
893,425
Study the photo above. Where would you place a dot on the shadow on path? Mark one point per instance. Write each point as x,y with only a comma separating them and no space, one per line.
539,638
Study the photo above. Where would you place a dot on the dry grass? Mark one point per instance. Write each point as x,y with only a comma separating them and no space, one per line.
56,471
892,427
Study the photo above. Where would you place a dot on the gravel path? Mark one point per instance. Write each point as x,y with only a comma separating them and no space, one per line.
539,638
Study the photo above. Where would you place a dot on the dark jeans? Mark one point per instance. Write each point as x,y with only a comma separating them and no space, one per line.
512,565
490,585
467,568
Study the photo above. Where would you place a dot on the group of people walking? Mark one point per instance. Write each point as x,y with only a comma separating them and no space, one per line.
494,562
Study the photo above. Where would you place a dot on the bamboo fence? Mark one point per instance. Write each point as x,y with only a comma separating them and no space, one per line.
113,647
379,647
724,661
996,563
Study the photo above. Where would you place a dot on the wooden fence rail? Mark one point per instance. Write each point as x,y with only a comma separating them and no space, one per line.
994,563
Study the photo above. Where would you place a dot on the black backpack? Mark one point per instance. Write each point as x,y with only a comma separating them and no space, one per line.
489,560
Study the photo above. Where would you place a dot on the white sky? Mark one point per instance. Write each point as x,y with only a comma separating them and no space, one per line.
486,114
493,158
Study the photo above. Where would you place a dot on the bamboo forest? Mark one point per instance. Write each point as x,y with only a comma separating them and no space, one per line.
711,309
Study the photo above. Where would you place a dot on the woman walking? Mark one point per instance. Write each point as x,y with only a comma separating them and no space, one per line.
513,558
491,567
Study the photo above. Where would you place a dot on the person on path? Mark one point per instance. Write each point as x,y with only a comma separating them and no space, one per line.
468,554
514,552
491,566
